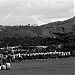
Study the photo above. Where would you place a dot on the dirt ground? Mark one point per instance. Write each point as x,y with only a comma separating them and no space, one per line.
62,66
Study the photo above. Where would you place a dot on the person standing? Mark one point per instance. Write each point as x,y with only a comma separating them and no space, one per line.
4,60
1,59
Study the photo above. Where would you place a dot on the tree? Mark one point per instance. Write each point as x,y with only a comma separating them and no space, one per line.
64,38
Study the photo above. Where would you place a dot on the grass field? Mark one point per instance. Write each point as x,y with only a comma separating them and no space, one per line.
64,66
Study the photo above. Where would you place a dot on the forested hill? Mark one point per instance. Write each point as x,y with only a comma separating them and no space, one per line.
20,34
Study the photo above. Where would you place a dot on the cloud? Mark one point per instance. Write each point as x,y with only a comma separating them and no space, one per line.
7,16
35,11
40,19
3,0
58,19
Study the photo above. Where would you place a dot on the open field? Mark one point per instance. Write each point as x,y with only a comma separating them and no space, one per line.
64,66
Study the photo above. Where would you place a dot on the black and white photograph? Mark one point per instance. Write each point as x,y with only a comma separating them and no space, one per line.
37,37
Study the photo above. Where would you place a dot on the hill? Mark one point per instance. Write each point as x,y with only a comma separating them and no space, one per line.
46,30
43,30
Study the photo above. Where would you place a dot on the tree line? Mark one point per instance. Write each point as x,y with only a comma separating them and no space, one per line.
61,38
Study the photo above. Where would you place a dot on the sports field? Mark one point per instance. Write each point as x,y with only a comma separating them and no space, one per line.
63,66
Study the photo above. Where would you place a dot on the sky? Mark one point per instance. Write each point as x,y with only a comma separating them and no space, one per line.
22,12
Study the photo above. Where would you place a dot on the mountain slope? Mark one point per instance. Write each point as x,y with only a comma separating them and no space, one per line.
46,30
